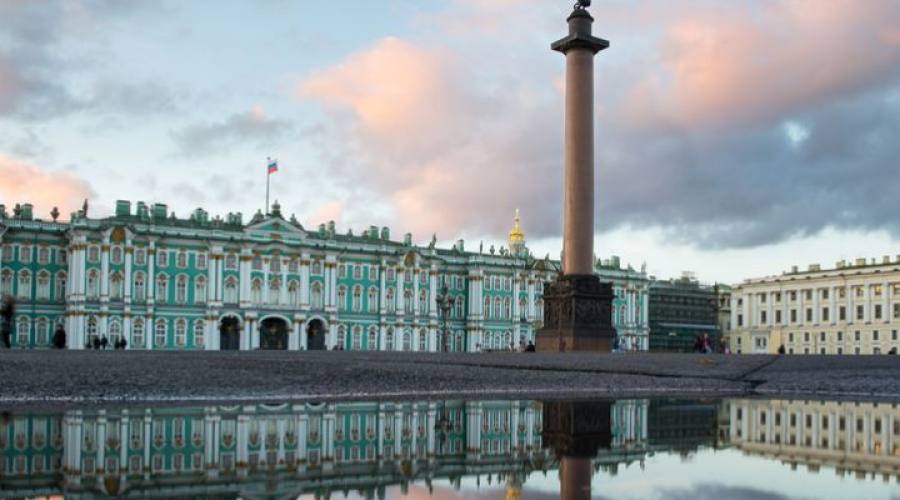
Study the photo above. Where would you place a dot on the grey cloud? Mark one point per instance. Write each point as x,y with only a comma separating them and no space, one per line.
719,491
245,127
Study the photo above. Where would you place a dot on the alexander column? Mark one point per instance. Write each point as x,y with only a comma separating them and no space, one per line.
577,307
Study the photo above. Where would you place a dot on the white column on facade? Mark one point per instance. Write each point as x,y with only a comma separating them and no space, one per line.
211,278
801,308
832,305
282,290
104,270
401,293
529,309
148,332
382,290
220,276
294,341
415,297
398,433
770,308
382,333
748,297
850,293
126,330
244,274
429,429
150,282
433,291
254,333
304,281
304,341
817,309
734,308
516,314
129,257
867,303
885,302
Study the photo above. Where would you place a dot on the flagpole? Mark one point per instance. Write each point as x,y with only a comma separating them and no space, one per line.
268,177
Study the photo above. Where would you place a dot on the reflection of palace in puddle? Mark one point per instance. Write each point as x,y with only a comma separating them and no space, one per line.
862,439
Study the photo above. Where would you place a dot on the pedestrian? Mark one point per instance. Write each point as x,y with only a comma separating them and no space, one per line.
104,342
705,344
124,343
781,349
95,341
7,311
529,347
59,337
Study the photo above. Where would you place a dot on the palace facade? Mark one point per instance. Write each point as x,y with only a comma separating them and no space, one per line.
168,283
851,309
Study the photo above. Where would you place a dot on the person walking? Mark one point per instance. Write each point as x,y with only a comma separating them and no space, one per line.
59,337
104,342
7,311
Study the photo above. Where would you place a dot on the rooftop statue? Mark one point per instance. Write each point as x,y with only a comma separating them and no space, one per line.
582,4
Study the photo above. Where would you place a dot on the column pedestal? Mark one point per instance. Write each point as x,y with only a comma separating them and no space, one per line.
577,315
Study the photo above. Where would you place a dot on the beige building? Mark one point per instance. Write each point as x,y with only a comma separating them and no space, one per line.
858,439
851,309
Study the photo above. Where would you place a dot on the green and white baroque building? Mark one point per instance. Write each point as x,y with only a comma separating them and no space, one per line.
212,284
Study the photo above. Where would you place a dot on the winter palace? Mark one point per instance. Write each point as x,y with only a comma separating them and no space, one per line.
162,282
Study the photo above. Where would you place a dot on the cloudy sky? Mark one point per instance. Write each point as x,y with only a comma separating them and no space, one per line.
734,139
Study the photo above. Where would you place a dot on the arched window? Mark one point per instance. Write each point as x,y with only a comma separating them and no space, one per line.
181,289
389,339
274,289
42,331
389,298
407,339
200,290
356,340
408,301
373,300
316,295
137,333
317,267
423,302
231,290
199,329
43,255
507,308
24,291
116,255
181,259
180,332
372,341
115,286
257,263
162,288
423,339
59,291
293,293
6,282
357,298
91,329
139,287
159,333
523,308
498,308
487,308
115,330
275,265
341,336
43,286
256,291
140,257
342,298
459,342
23,331
93,284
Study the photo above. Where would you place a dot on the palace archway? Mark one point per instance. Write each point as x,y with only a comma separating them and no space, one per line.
273,334
315,335
230,334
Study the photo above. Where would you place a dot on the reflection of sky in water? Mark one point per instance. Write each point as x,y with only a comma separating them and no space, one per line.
707,474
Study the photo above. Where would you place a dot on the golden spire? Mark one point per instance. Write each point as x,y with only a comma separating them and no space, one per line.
516,235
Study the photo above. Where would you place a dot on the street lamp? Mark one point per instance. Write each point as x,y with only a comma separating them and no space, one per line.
445,301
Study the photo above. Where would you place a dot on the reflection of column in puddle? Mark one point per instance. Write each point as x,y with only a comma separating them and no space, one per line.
575,432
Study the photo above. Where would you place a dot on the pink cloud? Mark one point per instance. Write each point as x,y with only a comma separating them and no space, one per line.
329,211
725,65
22,182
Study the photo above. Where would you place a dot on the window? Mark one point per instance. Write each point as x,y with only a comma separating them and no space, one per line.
7,253
762,317
59,291
181,289
389,274
856,335
408,301
6,282
805,336
181,259
275,264
875,336
199,328
793,315
162,258
139,289
256,291
43,255
809,315
317,267
877,311
407,275
201,260
231,290
357,298
293,293
507,308
140,257
342,271
373,300
372,341
257,263
274,291
840,336
231,262
342,298
159,333
93,284
488,314
357,271
389,298
292,266
200,290
162,288
23,331
42,331
407,340
791,337
822,336
356,341
860,313
115,330
43,286
25,254
316,295
24,291
423,302
778,317
458,306
373,272
842,313
91,328
116,255
824,314
115,286
389,339
137,333
180,332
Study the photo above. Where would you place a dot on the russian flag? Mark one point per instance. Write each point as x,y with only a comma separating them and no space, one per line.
273,166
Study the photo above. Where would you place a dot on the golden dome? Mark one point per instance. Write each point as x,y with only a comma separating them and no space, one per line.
516,235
